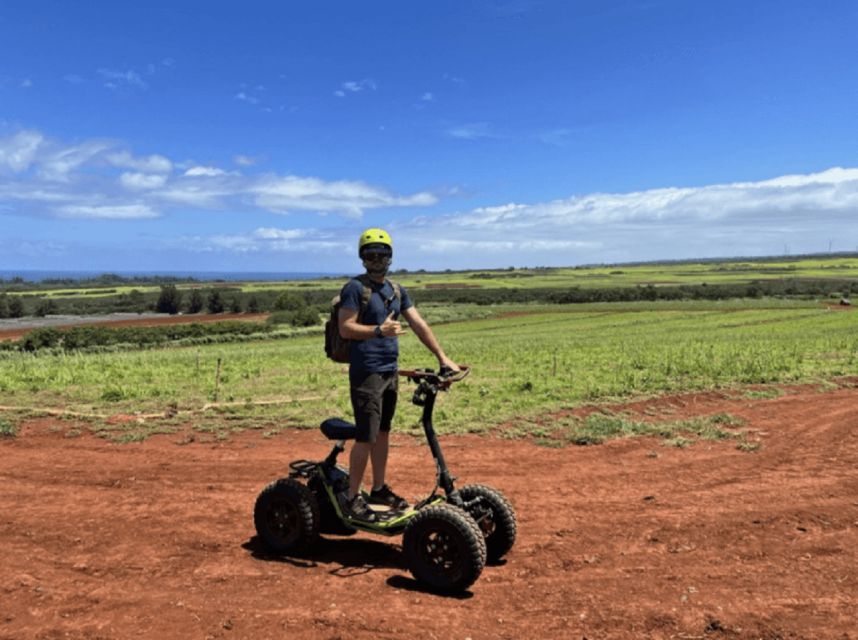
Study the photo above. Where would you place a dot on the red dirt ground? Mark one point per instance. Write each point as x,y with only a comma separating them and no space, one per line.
15,334
629,539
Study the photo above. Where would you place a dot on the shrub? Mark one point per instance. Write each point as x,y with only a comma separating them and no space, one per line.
41,339
305,317
7,429
290,301
45,307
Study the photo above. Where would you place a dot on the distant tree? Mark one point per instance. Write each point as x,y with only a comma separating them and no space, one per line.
45,307
169,301
137,301
235,305
4,305
196,303
253,305
290,301
215,302
16,307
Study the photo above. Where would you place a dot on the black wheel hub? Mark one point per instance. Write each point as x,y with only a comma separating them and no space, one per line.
439,550
283,521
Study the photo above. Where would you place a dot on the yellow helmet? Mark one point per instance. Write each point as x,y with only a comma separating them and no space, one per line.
374,236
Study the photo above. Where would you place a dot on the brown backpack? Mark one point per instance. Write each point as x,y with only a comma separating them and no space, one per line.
337,347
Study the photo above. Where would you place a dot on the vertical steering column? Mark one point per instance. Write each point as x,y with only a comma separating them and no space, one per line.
445,480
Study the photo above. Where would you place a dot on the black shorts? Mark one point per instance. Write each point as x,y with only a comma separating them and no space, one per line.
374,402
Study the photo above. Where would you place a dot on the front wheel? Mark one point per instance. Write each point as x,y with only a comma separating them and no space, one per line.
286,516
444,548
494,515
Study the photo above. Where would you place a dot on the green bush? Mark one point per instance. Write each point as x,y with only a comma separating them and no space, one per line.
304,317
89,337
7,429
290,301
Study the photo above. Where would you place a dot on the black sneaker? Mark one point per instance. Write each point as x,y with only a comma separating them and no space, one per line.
357,509
386,497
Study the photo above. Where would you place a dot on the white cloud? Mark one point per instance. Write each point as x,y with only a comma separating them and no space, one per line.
355,86
149,164
741,218
244,97
428,97
272,233
26,83
244,161
502,246
73,78
58,163
291,193
267,239
208,172
142,181
121,79
80,180
18,151
471,131
111,212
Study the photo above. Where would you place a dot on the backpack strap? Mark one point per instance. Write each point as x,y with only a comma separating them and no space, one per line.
397,291
366,293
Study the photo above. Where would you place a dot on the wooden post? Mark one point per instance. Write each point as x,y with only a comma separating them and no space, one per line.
217,380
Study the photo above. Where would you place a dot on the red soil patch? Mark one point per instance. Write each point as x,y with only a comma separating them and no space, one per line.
629,539
16,334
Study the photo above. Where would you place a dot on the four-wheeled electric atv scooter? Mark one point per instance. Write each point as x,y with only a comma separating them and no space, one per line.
447,539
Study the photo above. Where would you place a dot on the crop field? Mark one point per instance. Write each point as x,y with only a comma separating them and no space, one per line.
526,361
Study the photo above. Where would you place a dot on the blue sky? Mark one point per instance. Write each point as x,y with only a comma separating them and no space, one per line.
264,136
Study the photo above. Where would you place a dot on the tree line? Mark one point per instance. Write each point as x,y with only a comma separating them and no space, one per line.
298,306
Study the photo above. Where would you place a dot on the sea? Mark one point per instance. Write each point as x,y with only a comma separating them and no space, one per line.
203,276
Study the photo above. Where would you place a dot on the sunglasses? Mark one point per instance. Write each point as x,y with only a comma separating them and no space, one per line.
374,256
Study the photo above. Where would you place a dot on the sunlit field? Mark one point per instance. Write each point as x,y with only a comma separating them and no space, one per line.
526,361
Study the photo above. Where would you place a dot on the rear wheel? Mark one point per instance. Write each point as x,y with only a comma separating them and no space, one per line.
286,516
495,517
444,548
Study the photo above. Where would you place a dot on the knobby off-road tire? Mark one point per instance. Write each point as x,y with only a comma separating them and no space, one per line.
286,516
498,525
444,548
329,522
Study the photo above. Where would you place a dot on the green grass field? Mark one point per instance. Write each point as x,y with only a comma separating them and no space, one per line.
527,361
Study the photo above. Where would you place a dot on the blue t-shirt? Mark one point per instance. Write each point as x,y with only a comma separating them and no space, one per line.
375,355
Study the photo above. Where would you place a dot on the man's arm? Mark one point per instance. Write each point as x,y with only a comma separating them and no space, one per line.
351,329
424,332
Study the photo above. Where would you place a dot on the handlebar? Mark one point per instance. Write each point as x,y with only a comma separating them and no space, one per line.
441,379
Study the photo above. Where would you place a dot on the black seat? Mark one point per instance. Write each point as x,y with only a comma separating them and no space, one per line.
338,429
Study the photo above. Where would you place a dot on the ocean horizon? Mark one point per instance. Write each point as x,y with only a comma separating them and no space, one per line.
31,275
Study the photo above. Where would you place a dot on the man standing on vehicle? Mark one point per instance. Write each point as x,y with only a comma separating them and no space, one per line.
373,327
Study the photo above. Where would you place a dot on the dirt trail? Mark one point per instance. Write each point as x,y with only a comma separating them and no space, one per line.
630,539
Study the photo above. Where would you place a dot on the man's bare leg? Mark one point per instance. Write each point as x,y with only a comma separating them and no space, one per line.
379,459
357,465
